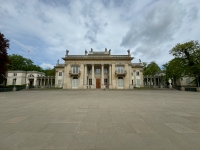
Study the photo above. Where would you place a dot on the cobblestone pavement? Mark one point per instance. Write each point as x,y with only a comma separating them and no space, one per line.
100,120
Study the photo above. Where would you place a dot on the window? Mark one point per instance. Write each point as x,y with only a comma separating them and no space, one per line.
138,82
75,69
188,81
105,71
90,71
137,73
59,83
98,71
14,74
105,81
90,81
120,69
31,75
14,81
60,73
132,82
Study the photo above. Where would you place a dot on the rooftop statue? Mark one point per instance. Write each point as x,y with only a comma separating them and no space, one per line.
86,52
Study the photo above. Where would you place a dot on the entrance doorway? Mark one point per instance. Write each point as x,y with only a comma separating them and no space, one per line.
120,82
31,82
98,83
75,82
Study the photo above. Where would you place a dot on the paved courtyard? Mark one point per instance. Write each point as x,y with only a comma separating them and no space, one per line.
100,120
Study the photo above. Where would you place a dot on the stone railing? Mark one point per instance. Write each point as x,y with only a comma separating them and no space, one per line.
97,57
120,73
75,73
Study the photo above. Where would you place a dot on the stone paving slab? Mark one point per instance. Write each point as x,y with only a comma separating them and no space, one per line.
99,120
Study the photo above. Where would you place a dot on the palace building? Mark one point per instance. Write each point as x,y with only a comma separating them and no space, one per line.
32,78
98,70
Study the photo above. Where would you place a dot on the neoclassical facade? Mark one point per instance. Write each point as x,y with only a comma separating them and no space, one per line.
97,70
33,78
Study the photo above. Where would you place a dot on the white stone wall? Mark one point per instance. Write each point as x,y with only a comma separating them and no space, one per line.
20,77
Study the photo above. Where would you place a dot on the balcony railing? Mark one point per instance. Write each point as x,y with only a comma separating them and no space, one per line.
75,73
120,73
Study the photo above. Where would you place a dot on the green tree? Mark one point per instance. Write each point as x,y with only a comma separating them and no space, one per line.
150,69
4,45
18,62
49,72
174,69
188,53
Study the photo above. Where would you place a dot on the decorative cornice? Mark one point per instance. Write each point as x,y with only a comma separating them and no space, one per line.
60,66
75,65
85,57
119,64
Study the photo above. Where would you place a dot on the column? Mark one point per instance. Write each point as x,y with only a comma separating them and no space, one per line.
85,77
130,78
44,82
151,81
102,76
134,81
93,76
110,74
142,79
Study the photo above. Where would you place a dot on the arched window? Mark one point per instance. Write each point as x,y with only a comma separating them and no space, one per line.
31,75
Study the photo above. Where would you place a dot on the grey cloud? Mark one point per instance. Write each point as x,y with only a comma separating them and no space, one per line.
43,16
159,24
93,21
56,3
91,36
150,28
193,13
20,6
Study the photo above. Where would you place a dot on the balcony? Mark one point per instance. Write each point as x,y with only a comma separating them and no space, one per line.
120,73
77,73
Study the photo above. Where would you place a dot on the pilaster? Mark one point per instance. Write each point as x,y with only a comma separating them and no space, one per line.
85,76
102,76
93,85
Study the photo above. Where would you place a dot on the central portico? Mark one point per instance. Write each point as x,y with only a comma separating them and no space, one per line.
95,70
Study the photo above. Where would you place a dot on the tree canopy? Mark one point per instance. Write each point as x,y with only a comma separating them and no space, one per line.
174,69
18,62
49,72
189,54
150,69
4,45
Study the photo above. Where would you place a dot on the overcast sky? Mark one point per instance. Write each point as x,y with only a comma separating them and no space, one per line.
42,30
